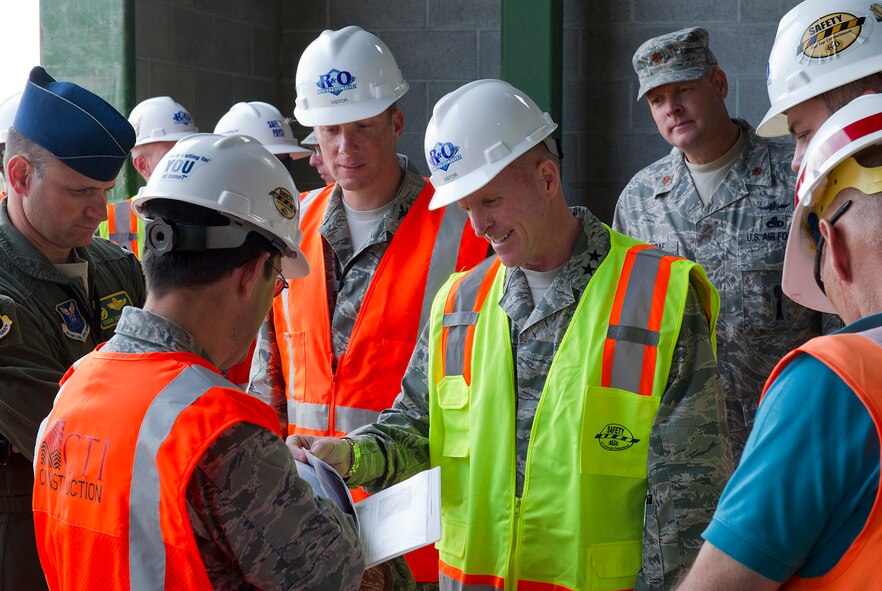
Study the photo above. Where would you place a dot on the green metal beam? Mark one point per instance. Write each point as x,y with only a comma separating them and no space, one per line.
532,51
92,43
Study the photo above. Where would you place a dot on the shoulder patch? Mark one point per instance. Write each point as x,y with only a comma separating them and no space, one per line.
74,325
10,330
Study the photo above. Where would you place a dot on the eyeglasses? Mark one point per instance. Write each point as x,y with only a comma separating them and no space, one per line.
814,224
281,282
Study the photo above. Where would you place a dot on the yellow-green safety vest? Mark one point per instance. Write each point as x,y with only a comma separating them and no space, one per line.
578,524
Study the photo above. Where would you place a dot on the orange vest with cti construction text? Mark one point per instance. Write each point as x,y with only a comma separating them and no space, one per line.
112,469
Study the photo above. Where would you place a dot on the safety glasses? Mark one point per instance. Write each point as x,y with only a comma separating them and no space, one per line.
814,224
281,282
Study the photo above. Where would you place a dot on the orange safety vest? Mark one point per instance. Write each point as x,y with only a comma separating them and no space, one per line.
111,478
426,249
855,359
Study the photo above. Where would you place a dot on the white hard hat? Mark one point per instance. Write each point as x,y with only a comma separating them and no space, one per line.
346,76
264,123
8,107
237,177
161,119
475,132
826,170
820,45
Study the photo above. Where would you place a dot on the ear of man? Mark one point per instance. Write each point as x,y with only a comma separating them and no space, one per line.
838,251
248,276
19,174
142,165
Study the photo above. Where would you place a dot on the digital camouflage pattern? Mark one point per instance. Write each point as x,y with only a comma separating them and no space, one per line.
256,522
688,461
739,238
356,268
675,57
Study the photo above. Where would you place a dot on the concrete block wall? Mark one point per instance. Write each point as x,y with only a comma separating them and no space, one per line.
211,53
608,136
208,54
439,45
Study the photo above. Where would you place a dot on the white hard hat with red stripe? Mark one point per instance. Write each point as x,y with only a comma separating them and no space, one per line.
826,170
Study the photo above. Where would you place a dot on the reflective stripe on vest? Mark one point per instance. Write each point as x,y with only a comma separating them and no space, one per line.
316,416
634,323
855,358
146,546
123,226
425,250
588,537
136,461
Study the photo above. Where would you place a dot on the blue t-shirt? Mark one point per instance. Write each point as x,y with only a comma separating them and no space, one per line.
808,476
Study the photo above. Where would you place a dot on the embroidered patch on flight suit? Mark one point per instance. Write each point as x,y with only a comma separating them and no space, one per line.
75,326
10,329
111,308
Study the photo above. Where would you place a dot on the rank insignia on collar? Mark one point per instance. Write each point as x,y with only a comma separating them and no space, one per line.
75,326
5,325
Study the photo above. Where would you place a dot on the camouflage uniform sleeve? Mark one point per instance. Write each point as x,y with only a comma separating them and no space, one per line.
30,369
689,456
255,519
397,446
267,382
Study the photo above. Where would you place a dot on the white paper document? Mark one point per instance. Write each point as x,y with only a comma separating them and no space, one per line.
401,518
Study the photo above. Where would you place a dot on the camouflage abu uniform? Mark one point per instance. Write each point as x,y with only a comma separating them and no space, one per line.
739,238
255,521
356,267
686,467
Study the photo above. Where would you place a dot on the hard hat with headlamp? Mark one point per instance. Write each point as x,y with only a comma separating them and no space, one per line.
827,169
236,177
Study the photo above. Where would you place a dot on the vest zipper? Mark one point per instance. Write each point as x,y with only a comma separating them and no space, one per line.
511,581
332,401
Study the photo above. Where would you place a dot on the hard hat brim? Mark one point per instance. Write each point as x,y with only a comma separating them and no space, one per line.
798,277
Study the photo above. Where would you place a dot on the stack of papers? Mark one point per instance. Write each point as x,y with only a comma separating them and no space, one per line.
401,518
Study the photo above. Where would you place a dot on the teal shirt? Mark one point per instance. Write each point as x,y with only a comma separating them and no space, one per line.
808,477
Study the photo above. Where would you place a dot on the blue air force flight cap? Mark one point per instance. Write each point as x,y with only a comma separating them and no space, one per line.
76,126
